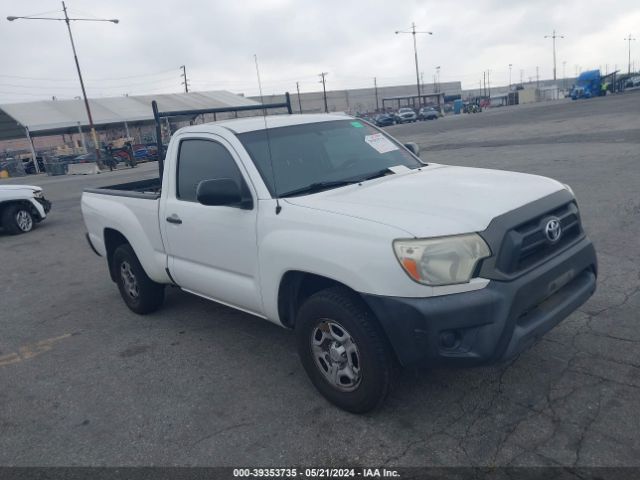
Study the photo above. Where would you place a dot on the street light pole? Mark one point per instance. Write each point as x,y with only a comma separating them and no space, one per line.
68,21
510,66
553,36
415,54
629,39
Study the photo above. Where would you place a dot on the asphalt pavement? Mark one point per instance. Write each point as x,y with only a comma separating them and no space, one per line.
84,381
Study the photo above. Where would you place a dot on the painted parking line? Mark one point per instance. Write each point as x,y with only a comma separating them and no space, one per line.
31,350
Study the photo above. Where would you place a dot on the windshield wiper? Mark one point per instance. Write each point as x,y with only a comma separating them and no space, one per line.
378,174
318,187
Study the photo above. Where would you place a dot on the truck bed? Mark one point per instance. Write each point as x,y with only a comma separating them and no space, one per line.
147,189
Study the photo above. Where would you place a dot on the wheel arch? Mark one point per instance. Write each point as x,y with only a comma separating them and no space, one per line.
297,285
23,202
112,240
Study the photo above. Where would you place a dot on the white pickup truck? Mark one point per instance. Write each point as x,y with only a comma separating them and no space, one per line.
328,226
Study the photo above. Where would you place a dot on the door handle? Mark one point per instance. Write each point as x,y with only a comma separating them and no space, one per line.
174,219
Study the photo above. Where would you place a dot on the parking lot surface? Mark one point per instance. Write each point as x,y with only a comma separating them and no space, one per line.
84,381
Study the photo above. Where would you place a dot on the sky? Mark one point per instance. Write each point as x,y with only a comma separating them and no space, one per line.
294,40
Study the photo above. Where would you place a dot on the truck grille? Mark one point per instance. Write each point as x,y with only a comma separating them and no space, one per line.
526,244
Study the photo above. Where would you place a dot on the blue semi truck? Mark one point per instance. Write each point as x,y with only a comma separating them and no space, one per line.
589,84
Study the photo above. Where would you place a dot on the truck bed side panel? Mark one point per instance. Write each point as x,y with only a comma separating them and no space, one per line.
136,219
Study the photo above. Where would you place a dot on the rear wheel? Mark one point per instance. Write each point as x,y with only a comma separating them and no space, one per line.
344,351
17,219
141,294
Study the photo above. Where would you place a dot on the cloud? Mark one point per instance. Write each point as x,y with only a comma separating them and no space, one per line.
297,39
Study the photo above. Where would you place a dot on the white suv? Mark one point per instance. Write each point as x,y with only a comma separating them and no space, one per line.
21,207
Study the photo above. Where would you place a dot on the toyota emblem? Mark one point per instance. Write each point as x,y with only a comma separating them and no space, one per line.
553,230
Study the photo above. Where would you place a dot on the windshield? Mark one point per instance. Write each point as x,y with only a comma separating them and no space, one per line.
323,152
405,110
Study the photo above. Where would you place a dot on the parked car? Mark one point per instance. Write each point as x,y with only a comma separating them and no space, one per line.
22,207
406,115
384,120
140,152
334,229
428,113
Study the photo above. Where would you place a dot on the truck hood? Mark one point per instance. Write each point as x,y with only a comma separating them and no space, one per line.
435,201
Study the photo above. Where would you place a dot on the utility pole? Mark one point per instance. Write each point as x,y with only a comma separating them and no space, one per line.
510,66
629,39
415,54
68,21
521,76
186,81
324,90
489,83
553,36
299,101
484,80
537,77
438,78
375,89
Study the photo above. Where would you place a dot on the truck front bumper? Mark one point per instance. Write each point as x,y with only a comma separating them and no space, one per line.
492,324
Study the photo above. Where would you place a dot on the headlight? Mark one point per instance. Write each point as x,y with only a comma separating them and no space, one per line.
568,187
38,194
442,260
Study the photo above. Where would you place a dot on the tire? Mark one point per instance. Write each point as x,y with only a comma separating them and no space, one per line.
17,219
363,354
141,294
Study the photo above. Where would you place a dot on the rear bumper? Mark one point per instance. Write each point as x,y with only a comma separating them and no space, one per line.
492,324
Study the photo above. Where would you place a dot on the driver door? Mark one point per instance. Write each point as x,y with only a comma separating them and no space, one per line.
212,250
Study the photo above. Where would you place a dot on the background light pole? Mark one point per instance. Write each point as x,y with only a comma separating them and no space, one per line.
413,32
629,39
68,21
553,36
510,67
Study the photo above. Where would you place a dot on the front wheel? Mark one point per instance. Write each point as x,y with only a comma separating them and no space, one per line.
17,219
141,294
344,351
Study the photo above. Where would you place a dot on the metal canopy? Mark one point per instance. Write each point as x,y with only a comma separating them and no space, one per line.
62,116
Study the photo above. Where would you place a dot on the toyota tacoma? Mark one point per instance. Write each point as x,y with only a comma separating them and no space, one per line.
325,225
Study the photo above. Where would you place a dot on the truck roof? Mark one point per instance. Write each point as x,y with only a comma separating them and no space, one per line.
250,124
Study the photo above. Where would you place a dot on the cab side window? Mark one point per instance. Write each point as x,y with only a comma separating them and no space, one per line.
203,160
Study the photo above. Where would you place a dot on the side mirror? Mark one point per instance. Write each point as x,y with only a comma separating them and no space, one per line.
222,192
413,148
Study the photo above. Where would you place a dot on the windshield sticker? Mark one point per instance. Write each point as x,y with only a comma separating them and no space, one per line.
381,143
357,125
400,169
